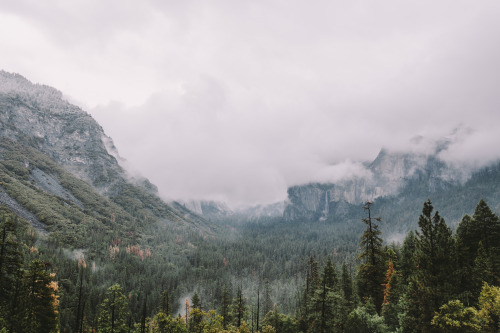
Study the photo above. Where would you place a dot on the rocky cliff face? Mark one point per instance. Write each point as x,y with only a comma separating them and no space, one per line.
37,115
388,175
208,209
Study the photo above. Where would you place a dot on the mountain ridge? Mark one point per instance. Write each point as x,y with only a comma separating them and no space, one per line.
42,133
393,177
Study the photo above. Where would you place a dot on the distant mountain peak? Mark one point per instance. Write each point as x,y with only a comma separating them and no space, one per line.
389,174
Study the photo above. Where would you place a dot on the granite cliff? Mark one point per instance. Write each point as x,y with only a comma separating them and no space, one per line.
55,152
392,178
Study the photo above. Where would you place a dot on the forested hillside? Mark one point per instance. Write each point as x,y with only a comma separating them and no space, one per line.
436,280
84,247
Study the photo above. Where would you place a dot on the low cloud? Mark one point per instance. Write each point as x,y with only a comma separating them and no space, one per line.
237,101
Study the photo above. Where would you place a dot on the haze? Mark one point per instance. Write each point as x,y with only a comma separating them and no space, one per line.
236,101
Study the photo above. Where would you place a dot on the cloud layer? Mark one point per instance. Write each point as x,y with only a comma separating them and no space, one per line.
235,101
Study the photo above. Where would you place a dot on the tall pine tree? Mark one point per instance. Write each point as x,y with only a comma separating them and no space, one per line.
434,277
371,272
41,304
114,311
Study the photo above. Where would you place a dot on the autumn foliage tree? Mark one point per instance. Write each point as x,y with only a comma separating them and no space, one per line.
42,300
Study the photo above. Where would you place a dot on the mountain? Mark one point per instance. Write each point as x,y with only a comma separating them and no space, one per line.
208,209
398,183
220,211
60,171
262,211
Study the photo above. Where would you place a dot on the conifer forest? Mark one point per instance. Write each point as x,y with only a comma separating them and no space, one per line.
249,166
257,276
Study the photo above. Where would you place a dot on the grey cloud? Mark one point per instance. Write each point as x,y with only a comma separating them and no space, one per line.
236,101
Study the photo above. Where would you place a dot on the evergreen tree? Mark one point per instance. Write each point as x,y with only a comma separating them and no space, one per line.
225,308
372,270
165,305
323,303
268,303
407,262
392,293
481,272
274,321
239,308
114,311
345,301
163,323
11,260
78,325
41,301
196,301
311,284
196,314
434,257
365,319
484,227
346,283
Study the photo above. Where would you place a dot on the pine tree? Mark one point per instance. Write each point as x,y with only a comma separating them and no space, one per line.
392,293
196,301
78,325
435,260
486,227
371,271
196,314
113,311
345,301
11,260
312,282
41,302
483,227
268,303
165,306
407,262
481,272
239,308
323,303
346,283
225,304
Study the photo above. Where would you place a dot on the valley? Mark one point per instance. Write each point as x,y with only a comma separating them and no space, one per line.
72,217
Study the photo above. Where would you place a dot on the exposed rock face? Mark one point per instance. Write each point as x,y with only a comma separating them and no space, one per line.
208,209
38,115
389,174
19,210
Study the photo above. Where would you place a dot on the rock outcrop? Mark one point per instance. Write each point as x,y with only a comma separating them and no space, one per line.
390,174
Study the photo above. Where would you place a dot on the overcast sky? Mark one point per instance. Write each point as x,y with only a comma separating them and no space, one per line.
237,100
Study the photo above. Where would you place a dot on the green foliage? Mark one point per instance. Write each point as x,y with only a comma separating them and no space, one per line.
489,308
371,272
364,319
113,311
453,317
278,322
479,250
239,308
163,323
225,306
11,260
433,281
132,239
41,300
